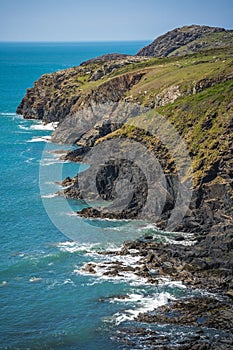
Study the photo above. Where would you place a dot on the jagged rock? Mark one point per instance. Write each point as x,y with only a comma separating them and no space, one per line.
105,58
97,75
169,95
208,312
185,37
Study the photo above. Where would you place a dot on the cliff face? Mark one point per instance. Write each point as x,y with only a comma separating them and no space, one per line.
94,102
187,40
57,95
158,136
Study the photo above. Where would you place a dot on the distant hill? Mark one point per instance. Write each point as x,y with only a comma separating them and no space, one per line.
188,40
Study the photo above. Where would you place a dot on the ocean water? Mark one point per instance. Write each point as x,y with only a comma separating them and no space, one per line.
48,301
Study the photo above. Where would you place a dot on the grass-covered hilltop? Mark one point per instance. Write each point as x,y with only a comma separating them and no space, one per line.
185,76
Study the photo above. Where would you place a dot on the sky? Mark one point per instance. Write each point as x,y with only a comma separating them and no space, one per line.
106,20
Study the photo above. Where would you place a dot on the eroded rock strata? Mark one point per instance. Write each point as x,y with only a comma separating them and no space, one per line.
116,100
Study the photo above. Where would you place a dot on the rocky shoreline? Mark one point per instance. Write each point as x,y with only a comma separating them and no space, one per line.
206,265
209,313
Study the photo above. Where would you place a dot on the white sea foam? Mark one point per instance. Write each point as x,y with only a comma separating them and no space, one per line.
3,283
166,236
50,195
40,139
115,268
30,160
69,281
72,247
40,126
60,283
126,260
111,220
168,282
71,213
65,187
23,127
149,227
185,242
35,279
47,162
101,273
9,114
142,304
112,248
50,126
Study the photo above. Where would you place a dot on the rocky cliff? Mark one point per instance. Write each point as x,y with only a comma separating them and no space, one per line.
193,92
94,102
187,40
157,133
58,95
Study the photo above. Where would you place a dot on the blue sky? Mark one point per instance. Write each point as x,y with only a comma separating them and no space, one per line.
100,20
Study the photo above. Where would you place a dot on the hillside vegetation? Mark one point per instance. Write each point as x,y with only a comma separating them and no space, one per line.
194,92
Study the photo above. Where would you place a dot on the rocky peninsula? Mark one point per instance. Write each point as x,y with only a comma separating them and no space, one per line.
185,76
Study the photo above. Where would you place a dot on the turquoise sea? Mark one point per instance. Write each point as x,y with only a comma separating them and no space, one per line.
47,300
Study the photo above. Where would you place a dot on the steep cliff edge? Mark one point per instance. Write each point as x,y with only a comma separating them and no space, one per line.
56,95
194,93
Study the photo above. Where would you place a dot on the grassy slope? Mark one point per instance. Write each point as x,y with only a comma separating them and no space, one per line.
209,41
164,72
202,119
160,73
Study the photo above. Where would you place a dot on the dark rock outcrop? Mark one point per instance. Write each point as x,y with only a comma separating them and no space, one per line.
48,99
207,265
184,38
105,58
92,120
207,312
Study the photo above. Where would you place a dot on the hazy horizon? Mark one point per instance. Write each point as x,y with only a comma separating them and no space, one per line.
73,42
61,21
